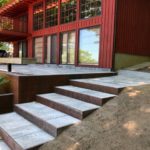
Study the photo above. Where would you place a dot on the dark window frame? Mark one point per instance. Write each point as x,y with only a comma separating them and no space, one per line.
68,12
86,5
51,13
86,64
61,50
38,18
46,40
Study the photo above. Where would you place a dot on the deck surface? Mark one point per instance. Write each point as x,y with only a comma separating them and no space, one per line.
48,69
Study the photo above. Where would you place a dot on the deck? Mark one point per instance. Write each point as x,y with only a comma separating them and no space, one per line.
47,69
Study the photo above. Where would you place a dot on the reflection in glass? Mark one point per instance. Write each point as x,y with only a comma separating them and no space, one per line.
68,10
38,49
23,49
90,8
89,46
38,16
51,12
68,48
51,49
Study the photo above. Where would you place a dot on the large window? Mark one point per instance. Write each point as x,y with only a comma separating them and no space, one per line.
90,8
68,10
51,53
68,48
23,49
89,46
51,13
38,16
38,49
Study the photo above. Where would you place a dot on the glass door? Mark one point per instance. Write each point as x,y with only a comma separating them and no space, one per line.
23,49
51,49
68,48
38,49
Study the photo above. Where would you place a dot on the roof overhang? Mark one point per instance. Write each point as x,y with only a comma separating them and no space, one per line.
15,7
10,36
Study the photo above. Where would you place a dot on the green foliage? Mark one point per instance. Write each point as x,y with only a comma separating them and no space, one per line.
86,57
2,2
3,80
4,46
4,85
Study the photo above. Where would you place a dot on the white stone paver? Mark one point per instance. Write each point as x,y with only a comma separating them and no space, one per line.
69,102
124,79
3,146
53,117
26,134
88,92
47,69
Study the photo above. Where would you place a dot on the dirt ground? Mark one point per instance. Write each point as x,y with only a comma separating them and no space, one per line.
121,124
146,69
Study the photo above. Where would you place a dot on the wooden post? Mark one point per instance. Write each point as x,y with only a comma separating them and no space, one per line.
9,67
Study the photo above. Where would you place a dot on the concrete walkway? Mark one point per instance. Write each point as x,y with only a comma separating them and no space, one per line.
124,79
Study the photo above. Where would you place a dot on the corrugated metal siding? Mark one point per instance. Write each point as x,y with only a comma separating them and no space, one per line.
133,27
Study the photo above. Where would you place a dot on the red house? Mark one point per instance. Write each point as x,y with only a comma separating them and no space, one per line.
96,33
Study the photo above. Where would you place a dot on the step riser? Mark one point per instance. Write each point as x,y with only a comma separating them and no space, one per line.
83,97
75,113
95,87
39,122
9,141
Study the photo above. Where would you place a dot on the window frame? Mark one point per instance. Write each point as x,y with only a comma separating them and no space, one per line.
55,15
42,24
50,35
60,51
80,11
78,49
61,12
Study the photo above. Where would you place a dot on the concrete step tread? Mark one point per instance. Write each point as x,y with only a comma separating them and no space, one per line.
23,132
3,145
56,118
107,81
69,102
85,91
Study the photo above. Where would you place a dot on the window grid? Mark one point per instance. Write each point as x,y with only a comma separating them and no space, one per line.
38,16
51,12
68,11
90,8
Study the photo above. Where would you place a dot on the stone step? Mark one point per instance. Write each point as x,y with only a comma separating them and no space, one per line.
20,134
71,106
50,120
99,84
3,145
90,96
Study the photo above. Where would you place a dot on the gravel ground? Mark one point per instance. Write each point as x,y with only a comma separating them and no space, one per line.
121,124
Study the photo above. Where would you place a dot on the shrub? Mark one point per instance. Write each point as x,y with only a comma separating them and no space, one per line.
4,85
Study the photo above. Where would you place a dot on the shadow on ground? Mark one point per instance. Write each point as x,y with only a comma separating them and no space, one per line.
121,124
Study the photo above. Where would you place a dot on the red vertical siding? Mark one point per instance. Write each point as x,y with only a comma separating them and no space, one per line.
105,21
30,23
133,27
107,33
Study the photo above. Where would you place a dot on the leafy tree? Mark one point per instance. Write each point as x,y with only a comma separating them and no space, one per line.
2,2
4,46
86,57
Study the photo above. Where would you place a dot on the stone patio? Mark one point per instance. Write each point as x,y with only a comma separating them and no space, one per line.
48,69
124,79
